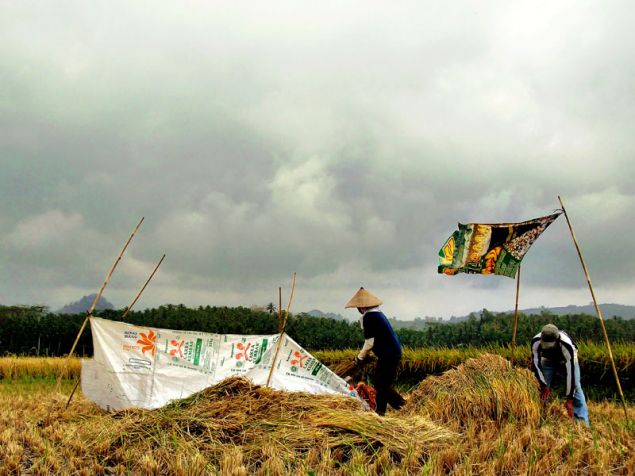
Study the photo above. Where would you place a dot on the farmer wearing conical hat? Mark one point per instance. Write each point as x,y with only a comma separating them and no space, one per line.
552,348
382,340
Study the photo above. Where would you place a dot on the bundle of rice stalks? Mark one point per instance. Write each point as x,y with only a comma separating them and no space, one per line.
481,389
262,422
348,367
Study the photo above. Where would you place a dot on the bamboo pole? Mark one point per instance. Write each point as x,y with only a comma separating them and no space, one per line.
129,308
515,317
96,300
286,313
122,318
280,309
597,309
282,331
68,402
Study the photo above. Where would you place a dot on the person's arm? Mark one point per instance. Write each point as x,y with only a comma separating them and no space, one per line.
369,336
536,366
569,355
368,345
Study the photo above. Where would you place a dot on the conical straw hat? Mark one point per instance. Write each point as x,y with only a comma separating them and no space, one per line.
363,298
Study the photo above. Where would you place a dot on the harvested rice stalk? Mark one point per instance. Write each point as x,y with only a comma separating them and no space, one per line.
236,412
482,389
347,367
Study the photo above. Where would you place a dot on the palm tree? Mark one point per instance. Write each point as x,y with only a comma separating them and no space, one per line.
271,308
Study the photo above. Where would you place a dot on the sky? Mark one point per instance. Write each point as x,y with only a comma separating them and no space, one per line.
340,140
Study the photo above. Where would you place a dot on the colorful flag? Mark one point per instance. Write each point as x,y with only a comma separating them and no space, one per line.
490,248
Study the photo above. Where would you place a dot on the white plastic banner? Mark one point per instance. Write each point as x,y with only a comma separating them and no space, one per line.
146,367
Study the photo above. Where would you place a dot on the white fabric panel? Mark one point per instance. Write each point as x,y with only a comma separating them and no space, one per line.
149,367
108,390
298,371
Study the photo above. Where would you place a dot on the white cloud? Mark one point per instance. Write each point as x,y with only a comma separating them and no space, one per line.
50,229
305,193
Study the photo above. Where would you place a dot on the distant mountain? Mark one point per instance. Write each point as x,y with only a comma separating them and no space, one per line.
330,315
608,310
81,306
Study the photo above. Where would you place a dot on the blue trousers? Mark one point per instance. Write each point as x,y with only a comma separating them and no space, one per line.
580,410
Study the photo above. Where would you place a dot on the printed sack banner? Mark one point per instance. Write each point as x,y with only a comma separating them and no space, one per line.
142,367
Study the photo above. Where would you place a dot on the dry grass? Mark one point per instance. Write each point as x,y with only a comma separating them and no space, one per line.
504,429
231,428
287,425
481,418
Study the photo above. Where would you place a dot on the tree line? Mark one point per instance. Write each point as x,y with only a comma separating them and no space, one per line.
32,330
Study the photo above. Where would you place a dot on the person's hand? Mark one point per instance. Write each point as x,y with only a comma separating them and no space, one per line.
358,362
545,393
568,405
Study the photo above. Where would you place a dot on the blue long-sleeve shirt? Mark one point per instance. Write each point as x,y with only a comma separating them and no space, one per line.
386,344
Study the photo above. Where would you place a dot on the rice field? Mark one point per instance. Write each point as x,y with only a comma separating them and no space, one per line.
438,359
417,363
14,367
481,417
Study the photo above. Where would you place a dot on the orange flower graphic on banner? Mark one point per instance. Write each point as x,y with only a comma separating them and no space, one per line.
148,342
299,359
244,354
178,349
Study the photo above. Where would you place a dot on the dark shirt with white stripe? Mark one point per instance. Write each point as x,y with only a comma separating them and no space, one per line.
564,352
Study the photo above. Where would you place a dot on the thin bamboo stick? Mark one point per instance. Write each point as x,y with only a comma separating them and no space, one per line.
282,331
129,308
286,314
515,317
96,300
122,318
73,392
280,309
597,309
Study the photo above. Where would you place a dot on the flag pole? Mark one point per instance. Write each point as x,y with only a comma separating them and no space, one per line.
96,300
597,308
515,317
282,331
122,318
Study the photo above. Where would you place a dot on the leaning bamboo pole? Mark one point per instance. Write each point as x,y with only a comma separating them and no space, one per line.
279,309
515,317
282,331
286,313
96,300
128,309
597,309
134,301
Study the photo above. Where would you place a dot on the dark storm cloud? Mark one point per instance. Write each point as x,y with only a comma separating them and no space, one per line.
343,142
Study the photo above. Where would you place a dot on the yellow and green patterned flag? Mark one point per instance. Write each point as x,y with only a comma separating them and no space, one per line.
490,248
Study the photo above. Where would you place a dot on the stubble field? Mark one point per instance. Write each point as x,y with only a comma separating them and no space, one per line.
484,417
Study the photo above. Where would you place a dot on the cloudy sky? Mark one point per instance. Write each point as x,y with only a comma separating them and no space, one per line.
343,142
